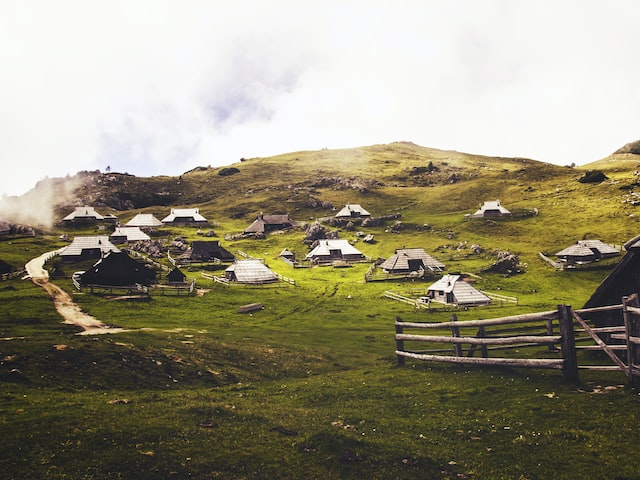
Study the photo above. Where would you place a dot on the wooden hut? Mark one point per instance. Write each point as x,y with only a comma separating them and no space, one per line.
144,221
453,290
250,272
411,261
176,277
624,280
87,247
118,269
203,251
270,223
329,251
128,234
189,217
491,208
586,251
83,216
352,210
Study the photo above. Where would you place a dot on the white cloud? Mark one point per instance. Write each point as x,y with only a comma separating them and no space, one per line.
158,87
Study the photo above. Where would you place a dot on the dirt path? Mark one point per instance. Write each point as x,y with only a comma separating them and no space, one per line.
62,300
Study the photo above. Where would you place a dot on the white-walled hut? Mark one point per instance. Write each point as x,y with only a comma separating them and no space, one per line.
586,251
186,217
335,250
87,247
491,208
411,261
453,290
250,271
352,210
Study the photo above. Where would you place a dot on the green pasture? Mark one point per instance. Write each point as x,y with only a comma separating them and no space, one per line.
309,386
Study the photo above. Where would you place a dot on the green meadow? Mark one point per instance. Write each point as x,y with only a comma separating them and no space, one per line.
309,386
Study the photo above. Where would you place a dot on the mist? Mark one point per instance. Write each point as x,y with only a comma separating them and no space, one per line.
37,207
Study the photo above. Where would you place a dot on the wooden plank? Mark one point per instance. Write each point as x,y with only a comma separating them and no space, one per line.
604,346
524,318
600,368
535,339
598,309
251,307
503,362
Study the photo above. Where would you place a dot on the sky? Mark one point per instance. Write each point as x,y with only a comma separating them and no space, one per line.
157,87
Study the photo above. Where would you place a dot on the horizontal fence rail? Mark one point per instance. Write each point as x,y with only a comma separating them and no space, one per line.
621,343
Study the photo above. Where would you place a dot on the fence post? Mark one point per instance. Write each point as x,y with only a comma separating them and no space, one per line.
568,345
549,322
631,329
399,342
455,332
483,348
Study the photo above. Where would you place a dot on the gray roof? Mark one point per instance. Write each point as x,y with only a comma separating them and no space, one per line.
144,220
352,210
464,293
251,271
177,213
130,234
325,247
83,212
400,261
81,243
492,206
588,248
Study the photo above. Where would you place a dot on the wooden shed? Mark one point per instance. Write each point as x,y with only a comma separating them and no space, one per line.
251,272
144,221
83,216
329,251
352,210
189,217
624,280
411,261
206,251
128,234
87,247
586,251
270,223
118,269
491,208
454,290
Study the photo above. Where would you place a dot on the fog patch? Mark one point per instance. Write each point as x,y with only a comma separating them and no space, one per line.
37,206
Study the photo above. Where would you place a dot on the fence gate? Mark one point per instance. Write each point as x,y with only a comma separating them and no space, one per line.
621,343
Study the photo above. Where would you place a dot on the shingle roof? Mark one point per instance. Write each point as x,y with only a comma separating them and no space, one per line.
464,293
400,260
192,213
81,243
491,206
325,247
144,220
83,212
131,234
251,271
585,248
351,210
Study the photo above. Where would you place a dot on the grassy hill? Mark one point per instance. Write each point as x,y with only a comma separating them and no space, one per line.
309,387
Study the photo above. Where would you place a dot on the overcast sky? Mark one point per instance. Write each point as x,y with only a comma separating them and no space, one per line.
159,87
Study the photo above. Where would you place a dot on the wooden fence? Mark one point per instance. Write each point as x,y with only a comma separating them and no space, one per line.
554,336
8,276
